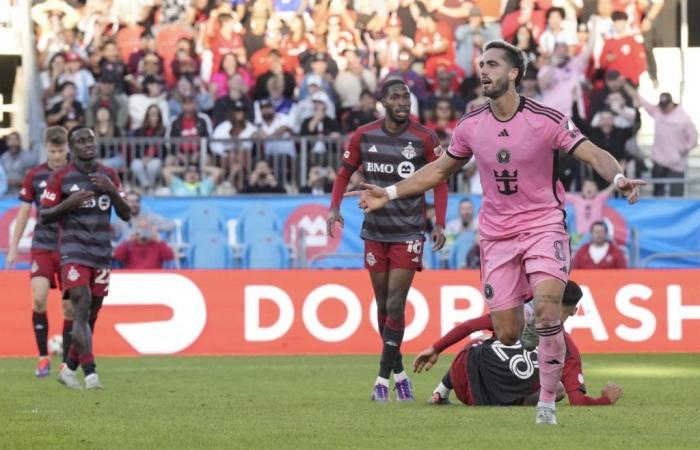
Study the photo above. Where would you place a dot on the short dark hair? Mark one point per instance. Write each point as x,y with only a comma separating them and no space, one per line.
619,15
393,82
555,9
56,135
516,58
75,129
572,294
599,223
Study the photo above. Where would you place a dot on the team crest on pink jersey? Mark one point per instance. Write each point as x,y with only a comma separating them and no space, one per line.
73,274
409,152
503,156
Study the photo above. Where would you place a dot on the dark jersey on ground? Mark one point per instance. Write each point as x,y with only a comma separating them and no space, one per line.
386,159
84,233
501,375
45,236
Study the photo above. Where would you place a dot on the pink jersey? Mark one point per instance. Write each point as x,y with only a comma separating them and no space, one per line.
517,163
588,210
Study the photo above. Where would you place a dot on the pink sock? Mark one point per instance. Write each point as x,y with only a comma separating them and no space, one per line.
550,357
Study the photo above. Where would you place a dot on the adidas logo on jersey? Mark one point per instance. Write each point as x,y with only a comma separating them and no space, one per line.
74,188
503,133
372,149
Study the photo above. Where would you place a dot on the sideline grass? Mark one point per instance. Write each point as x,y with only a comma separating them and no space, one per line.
323,402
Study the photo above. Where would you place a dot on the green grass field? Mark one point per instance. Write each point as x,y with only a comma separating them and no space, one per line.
323,402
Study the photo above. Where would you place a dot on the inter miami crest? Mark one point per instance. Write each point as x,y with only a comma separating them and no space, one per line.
488,292
503,156
409,152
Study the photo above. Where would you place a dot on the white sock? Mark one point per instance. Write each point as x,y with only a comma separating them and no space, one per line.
546,405
382,381
443,390
400,376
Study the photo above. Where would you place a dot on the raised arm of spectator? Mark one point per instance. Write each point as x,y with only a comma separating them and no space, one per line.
690,135
213,172
171,171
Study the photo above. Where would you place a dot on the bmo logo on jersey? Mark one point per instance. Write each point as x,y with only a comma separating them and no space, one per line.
379,167
406,169
103,202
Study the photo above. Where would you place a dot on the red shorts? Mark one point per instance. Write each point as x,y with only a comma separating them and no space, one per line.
75,275
459,375
46,264
384,256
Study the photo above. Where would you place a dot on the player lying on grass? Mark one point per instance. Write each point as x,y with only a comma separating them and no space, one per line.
491,373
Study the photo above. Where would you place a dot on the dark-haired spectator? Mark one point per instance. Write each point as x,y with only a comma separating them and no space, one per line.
78,75
121,230
600,252
147,160
272,124
227,39
470,38
153,94
624,52
16,162
434,41
588,205
474,254
297,40
614,83
227,69
263,181
415,82
105,131
528,85
276,70
364,114
188,181
320,125
352,80
525,41
464,220
233,146
144,250
237,91
445,117
320,181
111,67
66,108
137,59
389,45
444,90
105,95
192,125
555,33
49,77
528,13
609,137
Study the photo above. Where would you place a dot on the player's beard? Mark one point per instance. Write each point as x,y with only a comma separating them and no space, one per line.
399,120
497,89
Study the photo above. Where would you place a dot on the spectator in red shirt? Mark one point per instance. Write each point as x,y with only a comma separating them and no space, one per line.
624,52
445,117
228,40
434,41
144,250
527,13
600,253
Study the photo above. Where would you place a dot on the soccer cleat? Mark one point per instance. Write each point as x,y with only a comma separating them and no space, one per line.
92,381
437,399
404,390
43,367
380,393
546,416
67,378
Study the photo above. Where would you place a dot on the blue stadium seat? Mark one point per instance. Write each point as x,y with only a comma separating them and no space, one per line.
267,251
209,251
203,217
258,219
460,248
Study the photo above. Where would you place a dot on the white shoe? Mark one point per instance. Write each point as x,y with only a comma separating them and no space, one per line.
67,378
546,416
92,381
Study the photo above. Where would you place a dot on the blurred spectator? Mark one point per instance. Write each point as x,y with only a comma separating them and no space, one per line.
444,91
283,105
464,220
415,82
433,41
525,41
66,108
528,13
366,113
186,62
192,183
255,23
227,69
320,181
105,95
555,33
318,73
122,230
276,70
320,125
190,124
474,253
624,115
146,160
3,181
389,46
151,65
227,40
275,125
16,162
152,94
263,181
675,136
445,117
106,131
352,80
588,205
186,88
49,78
560,79
470,39
528,85
137,59
235,94
306,107
144,250
609,137
317,53
234,154
623,51
298,39
614,83
82,78
600,28
599,253
111,67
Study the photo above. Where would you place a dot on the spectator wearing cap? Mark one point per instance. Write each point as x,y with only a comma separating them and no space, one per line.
308,58
319,72
79,76
232,145
189,181
228,68
434,41
600,252
190,124
105,95
470,38
623,51
363,114
415,82
147,158
352,80
66,108
153,94
276,70
111,66
283,105
675,135
555,33
16,162
271,125
305,108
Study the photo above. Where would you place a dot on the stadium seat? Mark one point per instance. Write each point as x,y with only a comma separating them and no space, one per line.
255,220
267,251
460,248
202,217
209,251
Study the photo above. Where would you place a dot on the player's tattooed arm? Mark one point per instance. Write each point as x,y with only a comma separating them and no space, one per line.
54,213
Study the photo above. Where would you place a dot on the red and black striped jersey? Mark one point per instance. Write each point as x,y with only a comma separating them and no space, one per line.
45,236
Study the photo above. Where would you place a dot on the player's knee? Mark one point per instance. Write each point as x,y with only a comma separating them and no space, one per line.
509,338
39,304
67,310
396,310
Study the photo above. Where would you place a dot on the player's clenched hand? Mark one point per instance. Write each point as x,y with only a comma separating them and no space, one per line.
438,237
333,217
612,392
11,259
102,182
77,198
630,188
372,197
425,360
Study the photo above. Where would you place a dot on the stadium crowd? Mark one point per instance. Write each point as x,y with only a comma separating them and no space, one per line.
249,75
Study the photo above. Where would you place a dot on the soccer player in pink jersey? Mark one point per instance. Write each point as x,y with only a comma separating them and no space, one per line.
524,242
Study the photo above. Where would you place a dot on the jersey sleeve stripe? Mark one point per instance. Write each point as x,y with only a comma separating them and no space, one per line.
542,113
581,141
453,156
543,108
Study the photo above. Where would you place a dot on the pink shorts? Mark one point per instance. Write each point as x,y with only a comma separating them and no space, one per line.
512,267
